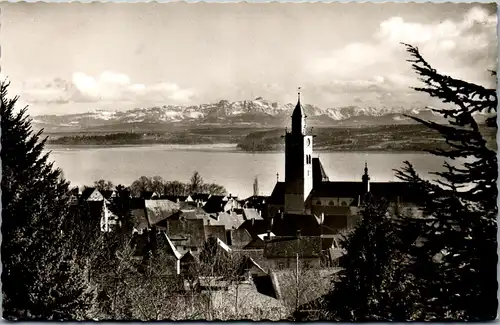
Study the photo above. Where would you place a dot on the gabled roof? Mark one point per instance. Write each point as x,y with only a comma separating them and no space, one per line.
218,232
171,248
223,245
230,220
285,247
174,198
200,197
255,227
251,214
189,257
215,203
147,195
239,238
158,210
108,194
191,229
92,194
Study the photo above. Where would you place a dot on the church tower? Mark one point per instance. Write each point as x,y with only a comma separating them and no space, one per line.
365,179
298,162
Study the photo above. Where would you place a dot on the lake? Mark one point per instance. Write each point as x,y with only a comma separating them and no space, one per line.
222,164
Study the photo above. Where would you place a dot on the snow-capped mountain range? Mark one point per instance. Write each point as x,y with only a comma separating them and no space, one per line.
257,112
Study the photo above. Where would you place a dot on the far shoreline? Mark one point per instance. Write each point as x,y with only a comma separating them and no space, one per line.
224,147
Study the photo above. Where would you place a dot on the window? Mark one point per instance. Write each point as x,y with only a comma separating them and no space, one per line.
318,202
331,203
281,265
344,203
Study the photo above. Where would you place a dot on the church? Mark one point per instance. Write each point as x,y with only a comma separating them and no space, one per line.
308,194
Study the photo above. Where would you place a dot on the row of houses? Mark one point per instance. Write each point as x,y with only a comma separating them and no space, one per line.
187,222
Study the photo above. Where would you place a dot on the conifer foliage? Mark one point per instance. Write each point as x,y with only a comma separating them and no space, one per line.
455,261
40,279
372,285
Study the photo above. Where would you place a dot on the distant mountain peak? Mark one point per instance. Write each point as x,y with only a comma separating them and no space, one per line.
257,112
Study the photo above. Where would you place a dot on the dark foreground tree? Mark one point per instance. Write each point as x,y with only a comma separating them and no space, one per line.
455,263
372,284
40,278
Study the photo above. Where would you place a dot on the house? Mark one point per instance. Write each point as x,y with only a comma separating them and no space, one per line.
169,248
286,252
157,211
109,220
230,220
257,202
252,213
189,265
199,198
186,235
238,238
174,198
218,232
221,203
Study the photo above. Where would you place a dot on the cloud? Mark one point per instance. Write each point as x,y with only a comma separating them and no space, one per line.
378,69
108,87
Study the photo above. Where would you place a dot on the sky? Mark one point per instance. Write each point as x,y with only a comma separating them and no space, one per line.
73,57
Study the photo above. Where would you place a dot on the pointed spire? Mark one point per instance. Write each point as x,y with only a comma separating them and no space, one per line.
366,168
298,117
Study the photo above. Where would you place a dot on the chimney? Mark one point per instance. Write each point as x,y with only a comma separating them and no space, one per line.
298,233
268,234
253,222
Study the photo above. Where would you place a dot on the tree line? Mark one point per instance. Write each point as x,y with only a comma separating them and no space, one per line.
157,184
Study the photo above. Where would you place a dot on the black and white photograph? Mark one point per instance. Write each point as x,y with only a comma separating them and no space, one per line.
207,161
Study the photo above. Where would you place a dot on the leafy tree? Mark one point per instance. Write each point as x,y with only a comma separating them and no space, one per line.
103,185
138,187
372,285
195,183
214,189
41,278
455,264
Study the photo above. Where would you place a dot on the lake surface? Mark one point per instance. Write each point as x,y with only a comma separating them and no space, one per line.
222,164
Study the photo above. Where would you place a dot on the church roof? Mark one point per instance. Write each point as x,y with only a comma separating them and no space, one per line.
278,195
319,174
337,189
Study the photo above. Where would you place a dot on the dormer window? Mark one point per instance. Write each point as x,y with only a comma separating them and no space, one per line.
318,202
331,203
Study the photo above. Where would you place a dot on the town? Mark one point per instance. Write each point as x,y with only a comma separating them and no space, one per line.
131,136
298,226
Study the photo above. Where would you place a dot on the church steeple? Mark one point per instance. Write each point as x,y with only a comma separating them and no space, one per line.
366,180
299,118
298,162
